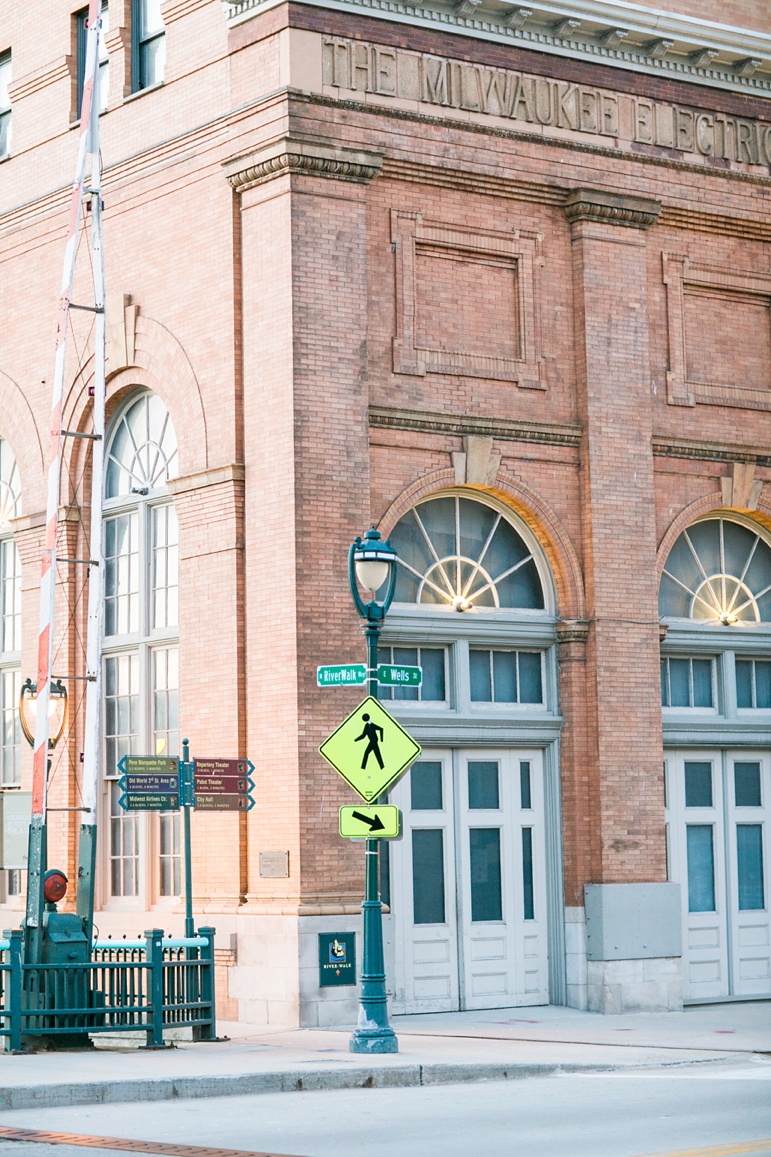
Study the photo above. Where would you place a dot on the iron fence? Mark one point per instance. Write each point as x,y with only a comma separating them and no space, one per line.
128,986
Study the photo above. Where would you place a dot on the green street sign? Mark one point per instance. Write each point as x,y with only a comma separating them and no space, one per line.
342,675
370,750
391,675
148,765
362,822
149,783
161,802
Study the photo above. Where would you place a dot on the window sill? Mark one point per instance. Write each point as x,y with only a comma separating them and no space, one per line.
143,91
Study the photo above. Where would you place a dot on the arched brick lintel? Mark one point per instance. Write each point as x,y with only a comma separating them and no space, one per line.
540,519
20,430
161,365
698,508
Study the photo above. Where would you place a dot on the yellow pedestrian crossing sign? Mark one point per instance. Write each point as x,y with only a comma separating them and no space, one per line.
370,749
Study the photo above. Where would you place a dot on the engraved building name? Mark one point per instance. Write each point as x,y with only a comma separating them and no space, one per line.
357,66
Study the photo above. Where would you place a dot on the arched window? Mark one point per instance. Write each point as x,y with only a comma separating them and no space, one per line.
10,621
718,571
141,652
459,554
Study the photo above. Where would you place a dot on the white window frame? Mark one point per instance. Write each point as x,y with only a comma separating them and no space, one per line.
6,76
142,642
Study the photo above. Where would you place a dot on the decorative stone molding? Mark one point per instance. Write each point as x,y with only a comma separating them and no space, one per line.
120,330
234,472
505,264
611,208
477,464
658,43
710,451
504,429
309,158
741,489
725,379
572,630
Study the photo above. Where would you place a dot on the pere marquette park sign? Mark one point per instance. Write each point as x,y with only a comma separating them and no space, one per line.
149,783
371,751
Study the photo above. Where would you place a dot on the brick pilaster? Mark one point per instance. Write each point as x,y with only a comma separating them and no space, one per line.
624,788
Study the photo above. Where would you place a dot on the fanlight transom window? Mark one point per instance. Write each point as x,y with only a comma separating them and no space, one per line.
10,487
143,451
718,571
463,555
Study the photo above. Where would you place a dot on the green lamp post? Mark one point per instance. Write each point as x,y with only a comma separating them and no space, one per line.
372,563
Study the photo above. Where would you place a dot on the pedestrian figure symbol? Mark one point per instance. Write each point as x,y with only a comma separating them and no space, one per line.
370,733
370,749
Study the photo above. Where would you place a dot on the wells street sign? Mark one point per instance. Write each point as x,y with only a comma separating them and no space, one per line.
342,675
222,785
370,750
390,675
360,822
149,783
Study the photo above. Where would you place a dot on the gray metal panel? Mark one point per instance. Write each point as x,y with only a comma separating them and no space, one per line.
15,813
633,921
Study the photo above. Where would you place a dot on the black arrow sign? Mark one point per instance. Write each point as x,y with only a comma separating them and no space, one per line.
375,823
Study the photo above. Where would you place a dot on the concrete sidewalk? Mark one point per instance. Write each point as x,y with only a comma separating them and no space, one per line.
494,1045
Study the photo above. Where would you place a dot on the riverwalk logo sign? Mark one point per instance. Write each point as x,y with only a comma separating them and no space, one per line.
623,119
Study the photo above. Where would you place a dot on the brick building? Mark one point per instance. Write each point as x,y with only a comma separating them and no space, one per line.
496,278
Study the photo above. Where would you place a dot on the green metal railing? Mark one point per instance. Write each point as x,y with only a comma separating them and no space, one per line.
128,986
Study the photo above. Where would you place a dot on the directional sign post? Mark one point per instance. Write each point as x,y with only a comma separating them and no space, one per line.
360,822
222,785
370,750
149,783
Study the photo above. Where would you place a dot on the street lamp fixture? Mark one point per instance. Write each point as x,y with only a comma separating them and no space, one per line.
57,711
372,563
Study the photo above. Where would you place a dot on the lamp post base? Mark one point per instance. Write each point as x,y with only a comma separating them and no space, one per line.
374,1040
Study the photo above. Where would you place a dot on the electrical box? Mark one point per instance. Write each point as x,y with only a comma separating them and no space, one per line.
64,941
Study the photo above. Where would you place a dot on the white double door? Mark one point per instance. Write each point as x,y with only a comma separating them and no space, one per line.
468,891
718,813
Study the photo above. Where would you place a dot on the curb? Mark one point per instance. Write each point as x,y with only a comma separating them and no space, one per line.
292,1080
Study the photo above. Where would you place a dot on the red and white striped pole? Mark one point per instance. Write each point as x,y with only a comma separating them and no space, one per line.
37,840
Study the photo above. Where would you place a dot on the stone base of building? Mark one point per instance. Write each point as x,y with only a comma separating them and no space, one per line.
616,986
276,980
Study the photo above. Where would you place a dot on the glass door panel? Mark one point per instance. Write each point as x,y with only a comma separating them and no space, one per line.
469,882
748,808
718,823
423,867
502,874
697,860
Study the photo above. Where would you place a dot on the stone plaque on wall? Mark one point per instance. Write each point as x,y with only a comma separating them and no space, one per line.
274,863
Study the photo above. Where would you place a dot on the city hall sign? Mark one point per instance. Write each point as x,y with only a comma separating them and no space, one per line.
354,66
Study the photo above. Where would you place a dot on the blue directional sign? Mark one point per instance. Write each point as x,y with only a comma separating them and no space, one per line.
149,783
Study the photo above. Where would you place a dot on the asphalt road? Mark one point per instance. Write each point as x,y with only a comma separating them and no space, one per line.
705,1110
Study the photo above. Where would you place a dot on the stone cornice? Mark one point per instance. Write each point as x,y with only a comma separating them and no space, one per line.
548,433
572,630
611,208
611,32
309,158
709,451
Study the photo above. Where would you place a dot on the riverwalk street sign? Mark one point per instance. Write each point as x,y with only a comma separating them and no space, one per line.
395,675
370,750
149,783
342,675
222,785
359,822
355,675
